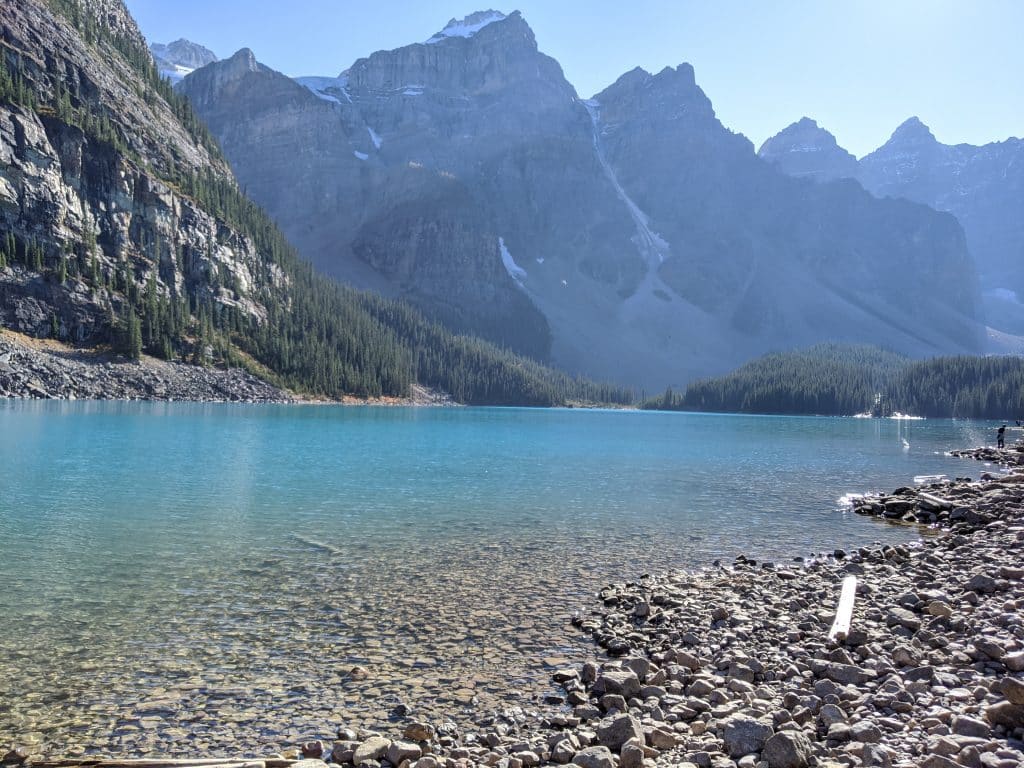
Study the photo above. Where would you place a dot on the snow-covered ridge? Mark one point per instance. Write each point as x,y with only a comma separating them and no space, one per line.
467,27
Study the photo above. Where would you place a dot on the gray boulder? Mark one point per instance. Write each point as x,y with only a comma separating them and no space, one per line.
616,731
744,735
594,757
787,749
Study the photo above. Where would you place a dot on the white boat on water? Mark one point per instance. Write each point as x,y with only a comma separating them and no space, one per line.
905,417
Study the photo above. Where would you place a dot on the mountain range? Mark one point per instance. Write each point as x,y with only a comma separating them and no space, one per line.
122,227
983,186
629,236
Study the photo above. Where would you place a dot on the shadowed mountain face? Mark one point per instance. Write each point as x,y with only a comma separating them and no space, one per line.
632,235
982,186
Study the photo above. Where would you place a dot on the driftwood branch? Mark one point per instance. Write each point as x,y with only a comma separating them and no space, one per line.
844,613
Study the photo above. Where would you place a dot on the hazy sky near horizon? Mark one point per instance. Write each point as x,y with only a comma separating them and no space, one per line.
858,67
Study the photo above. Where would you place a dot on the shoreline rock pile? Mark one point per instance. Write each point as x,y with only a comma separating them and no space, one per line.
732,667
1007,457
38,372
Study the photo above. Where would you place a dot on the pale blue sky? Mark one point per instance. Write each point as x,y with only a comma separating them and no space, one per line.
859,67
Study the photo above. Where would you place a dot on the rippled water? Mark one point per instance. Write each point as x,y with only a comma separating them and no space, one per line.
185,578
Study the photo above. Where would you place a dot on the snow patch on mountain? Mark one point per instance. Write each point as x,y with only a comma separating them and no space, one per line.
516,272
467,27
360,155
175,73
180,58
377,141
327,88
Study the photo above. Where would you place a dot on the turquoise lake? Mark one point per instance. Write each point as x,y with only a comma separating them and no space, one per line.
204,576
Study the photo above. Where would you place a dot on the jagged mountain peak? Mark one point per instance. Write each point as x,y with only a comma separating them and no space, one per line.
486,52
180,58
184,53
469,26
667,95
638,77
804,148
244,57
682,75
238,65
912,131
803,135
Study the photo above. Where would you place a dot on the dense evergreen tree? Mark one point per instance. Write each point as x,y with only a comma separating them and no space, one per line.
843,380
826,379
961,387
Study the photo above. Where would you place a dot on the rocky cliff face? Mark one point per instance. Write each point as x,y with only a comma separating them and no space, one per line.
82,198
982,186
465,173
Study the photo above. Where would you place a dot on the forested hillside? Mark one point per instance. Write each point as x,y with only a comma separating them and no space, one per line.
842,380
961,387
123,226
827,379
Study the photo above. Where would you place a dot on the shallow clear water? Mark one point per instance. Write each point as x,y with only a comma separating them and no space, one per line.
185,578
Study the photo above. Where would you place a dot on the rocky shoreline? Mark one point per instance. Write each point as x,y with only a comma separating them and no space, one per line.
732,667
37,369
45,370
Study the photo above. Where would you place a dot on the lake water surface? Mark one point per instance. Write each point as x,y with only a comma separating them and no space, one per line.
181,578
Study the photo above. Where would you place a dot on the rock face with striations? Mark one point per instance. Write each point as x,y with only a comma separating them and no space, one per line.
465,174
96,207
982,186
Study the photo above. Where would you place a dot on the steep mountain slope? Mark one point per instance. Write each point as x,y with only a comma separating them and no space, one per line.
120,223
465,173
982,186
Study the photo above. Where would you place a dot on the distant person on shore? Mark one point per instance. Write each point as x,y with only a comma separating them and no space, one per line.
999,436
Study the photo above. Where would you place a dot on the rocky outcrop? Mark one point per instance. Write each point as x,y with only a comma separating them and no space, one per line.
466,174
